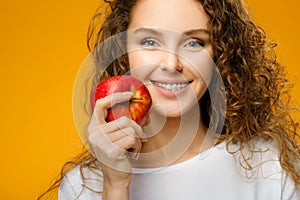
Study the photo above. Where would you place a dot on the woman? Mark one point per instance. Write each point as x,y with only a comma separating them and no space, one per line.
179,49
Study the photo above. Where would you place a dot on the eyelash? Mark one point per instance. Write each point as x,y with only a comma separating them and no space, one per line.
145,42
194,40
190,43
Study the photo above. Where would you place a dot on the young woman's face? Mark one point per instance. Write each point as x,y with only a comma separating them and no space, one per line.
169,48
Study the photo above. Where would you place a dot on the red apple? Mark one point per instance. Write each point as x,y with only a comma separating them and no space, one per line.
138,106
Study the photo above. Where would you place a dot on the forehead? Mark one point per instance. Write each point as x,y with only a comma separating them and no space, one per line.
177,15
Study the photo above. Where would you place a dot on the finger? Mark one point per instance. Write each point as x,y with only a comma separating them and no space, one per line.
134,152
105,149
117,135
122,123
93,125
112,137
129,142
103,104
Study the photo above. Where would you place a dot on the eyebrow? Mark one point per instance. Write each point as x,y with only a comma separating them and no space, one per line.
148,30
195,31
155,32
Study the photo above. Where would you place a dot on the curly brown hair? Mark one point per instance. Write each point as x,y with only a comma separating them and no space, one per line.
257,91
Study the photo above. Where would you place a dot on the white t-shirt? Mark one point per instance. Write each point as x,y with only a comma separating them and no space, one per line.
212,175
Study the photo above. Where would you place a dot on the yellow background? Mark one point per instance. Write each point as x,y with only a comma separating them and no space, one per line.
42,46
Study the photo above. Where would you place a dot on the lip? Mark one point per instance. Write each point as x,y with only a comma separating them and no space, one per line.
171,81
170,93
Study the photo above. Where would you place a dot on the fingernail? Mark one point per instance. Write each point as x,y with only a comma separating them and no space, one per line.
127,93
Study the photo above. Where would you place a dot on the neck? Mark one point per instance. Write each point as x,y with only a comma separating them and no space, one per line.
173,140
161,131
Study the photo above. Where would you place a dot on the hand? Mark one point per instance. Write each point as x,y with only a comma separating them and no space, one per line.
111,141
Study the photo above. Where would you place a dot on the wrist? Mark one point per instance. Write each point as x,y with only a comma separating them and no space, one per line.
116,190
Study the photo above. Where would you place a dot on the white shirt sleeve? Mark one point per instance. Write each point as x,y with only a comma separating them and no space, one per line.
66,190
289,191
73,187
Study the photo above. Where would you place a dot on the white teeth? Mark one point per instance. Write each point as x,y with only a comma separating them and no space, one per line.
171,87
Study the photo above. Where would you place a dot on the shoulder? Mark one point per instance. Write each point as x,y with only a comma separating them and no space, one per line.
81,182
258,158
259,162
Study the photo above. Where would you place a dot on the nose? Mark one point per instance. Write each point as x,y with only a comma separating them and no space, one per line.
171,62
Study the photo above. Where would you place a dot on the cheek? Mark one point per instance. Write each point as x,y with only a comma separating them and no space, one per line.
201,65
142,64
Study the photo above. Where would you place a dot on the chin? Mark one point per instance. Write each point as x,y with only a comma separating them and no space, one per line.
180,110
177,106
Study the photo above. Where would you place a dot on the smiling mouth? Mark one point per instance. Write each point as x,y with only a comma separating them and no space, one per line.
171,86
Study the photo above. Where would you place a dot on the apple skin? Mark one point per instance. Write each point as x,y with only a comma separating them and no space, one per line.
137,108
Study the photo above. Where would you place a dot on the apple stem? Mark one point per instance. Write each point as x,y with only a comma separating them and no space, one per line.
135,98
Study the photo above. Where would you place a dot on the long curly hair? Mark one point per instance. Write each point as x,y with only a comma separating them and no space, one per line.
256,88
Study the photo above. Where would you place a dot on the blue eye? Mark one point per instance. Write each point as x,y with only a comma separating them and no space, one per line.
149,43
194,43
